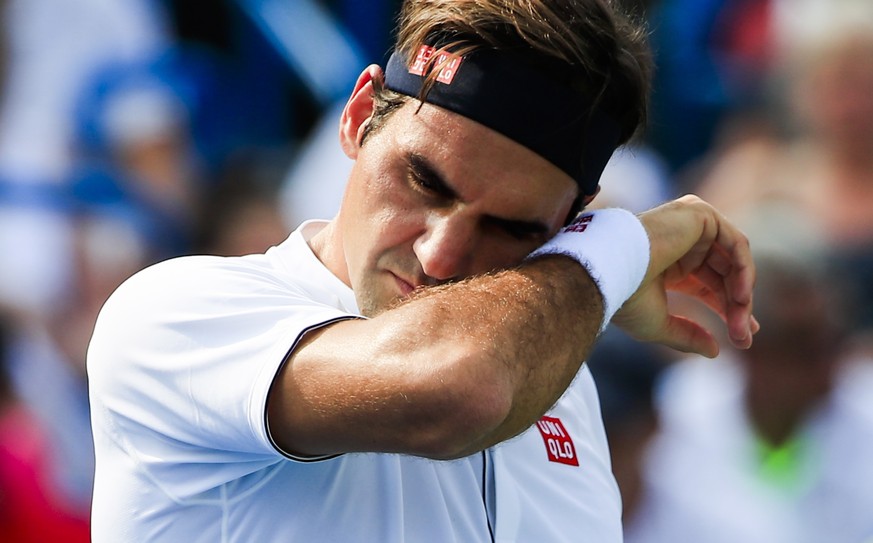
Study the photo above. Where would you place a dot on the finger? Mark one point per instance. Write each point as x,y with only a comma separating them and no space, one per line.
707,286
711,263
732,257
740,322
740,325
683,334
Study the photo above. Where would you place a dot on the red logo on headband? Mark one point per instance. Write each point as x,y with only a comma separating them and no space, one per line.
447,63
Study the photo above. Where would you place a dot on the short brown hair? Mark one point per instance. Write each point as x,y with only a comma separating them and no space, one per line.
604,48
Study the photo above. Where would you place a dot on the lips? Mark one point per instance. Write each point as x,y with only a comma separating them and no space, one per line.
405,287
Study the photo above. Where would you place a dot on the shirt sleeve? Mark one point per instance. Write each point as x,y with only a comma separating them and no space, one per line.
181,362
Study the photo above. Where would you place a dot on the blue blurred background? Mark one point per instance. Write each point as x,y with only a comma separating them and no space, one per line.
137,130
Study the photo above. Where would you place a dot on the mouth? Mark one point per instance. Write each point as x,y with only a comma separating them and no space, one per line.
405,287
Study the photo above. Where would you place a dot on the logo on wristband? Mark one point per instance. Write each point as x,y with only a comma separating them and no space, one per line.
559,444
580,223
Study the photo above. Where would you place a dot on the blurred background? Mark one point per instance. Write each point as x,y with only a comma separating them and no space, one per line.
132,131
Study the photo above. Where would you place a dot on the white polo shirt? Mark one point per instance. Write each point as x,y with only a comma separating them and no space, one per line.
181,360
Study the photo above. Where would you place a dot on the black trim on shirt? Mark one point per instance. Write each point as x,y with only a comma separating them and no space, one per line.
286,454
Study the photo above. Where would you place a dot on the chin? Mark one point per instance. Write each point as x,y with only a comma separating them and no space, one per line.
370,305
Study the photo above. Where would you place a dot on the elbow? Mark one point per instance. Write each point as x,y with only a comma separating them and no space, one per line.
460,410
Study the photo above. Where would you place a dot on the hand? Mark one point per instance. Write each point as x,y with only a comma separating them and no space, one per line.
694,250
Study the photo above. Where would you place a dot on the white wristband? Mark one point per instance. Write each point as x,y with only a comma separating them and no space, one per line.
613,246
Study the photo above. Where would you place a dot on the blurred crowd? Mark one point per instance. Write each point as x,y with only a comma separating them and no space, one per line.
765,109
133,131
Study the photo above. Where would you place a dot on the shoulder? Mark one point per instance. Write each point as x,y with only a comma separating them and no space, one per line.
188,307
177,304
193,284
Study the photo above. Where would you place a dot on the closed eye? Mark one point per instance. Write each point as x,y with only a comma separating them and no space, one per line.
426,179
520,230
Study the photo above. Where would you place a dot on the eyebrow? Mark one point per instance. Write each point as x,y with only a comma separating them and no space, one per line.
424,171
422,168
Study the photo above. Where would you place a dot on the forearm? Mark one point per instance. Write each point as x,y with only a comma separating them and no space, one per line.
529,329
451,371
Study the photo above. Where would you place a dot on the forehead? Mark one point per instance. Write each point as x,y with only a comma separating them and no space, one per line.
478,161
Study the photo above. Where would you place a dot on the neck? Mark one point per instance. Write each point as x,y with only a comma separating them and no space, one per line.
327,246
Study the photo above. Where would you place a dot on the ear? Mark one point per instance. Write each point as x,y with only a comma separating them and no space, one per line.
358,111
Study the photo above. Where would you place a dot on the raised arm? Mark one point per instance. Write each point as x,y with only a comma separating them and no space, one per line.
466,365
452,371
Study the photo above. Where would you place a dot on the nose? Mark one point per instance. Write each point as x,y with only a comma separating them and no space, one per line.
445,248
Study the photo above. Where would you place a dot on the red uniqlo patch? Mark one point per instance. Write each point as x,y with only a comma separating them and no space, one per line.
559,444
447,63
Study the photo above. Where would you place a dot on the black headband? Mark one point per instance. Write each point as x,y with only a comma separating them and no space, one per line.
530,104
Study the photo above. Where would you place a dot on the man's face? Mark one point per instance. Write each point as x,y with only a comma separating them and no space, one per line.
435,197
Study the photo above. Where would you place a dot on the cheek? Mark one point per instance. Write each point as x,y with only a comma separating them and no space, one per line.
384,219
390,219
496,252
508,256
